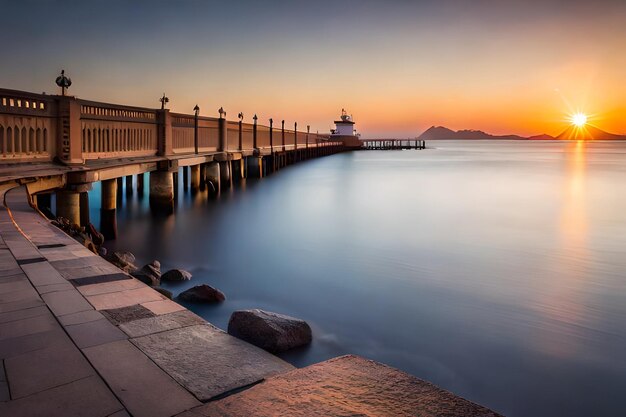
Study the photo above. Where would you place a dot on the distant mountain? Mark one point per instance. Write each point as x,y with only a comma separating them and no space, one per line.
544,136
440,132
588,132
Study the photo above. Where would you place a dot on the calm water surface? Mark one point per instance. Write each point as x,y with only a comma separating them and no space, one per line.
494,270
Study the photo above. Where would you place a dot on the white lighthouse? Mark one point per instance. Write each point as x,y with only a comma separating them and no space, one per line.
345,126
344,130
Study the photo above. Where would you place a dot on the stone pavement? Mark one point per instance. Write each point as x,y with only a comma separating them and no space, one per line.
78,337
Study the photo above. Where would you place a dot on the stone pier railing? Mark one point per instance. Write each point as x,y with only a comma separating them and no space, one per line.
39,127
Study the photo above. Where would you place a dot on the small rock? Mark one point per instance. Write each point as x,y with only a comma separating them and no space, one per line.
147,279
102,251
202,294
165,292
123,260
270,331
153,268
176,275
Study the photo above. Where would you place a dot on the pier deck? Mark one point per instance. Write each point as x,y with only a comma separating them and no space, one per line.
78,337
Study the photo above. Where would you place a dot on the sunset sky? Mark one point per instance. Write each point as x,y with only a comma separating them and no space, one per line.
397,66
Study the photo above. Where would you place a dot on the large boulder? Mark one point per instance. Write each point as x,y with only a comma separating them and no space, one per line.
176,275
202,294
270,331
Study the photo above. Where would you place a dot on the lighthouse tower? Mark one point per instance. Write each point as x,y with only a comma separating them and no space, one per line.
344,131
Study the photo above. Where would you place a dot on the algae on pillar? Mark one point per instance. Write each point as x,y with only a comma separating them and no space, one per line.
108,219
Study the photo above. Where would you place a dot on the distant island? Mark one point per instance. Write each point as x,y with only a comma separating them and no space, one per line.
572,132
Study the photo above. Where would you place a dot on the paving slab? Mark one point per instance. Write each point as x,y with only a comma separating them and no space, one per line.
144,389
30,342
66,302
65,286
345,386
21,248
45,368
161,323
125,314
93,333
30,325
108,287
163,306
207,361
80,317
24,314
27,293
87,271
88,397
124,298
20,305
42,273
19,282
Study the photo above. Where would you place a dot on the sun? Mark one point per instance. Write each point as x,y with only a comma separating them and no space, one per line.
579,119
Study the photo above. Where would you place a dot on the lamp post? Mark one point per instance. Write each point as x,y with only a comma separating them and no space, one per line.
282,134
223,137
63,82
254,140
196,111
164,100
308,129
272,137
295,136
240,116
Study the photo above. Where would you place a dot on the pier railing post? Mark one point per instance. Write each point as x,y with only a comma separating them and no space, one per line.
254,130
165,144
282,134
69,142
223,143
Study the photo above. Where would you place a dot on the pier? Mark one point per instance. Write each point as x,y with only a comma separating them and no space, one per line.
393,144
60,144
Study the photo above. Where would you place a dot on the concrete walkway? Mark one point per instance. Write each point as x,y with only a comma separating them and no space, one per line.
78,337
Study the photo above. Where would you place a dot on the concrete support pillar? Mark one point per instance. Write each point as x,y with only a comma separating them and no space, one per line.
185,178
129,185
225,170
255,166
120,187
68,205
84,209
213,177
243,168
140,184
175,182
108,219
162,190
202,177
195,178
